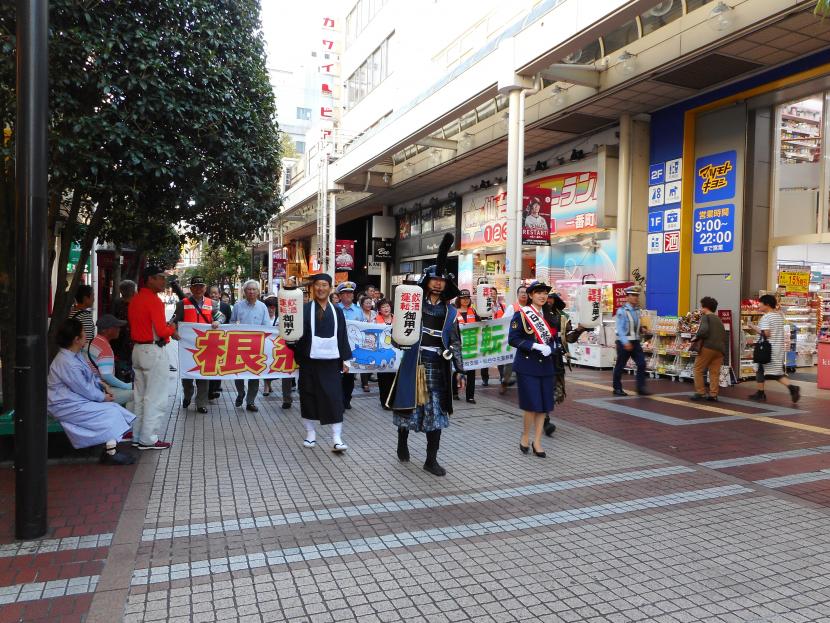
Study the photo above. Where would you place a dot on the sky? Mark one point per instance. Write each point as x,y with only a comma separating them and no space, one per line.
288,27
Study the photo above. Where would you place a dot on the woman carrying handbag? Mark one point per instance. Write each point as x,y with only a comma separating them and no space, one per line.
771,329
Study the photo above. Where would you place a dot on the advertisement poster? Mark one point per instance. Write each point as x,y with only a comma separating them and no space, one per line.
796,279
572,201
619,293
279,268
536,219
344,254
571,262
484,219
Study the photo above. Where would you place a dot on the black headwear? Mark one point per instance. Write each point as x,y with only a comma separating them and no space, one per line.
320,277
439,270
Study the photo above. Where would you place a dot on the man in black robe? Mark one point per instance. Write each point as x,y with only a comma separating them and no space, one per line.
321,354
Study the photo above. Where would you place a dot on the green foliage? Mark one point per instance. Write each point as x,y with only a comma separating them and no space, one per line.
223,263
822,8
161,113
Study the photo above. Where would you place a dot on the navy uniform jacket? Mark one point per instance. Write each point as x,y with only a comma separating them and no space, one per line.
522,338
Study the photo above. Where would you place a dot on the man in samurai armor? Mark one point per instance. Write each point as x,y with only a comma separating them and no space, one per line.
432,359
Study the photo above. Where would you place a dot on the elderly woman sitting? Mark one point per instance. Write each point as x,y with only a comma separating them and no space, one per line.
76,399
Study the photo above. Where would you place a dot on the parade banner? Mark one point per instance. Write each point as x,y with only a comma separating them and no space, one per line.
371,344
241,351
233,351
484,344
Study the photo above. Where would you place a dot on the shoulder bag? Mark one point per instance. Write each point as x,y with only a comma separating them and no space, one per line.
762,351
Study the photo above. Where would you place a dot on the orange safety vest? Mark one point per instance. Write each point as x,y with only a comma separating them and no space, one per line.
468,316
191,313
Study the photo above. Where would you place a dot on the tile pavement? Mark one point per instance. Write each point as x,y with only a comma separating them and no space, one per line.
243,523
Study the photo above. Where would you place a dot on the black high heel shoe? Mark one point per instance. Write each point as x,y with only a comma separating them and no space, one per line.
541,455
524,449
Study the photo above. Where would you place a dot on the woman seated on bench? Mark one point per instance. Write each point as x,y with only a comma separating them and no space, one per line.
77,400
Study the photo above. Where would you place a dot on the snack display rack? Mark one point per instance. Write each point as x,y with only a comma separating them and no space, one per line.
802,314
750,313
824,315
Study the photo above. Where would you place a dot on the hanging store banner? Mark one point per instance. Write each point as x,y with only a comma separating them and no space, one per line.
571,200
484,344
344,255
382,250
279,268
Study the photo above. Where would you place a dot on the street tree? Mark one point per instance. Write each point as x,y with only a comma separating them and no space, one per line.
161,112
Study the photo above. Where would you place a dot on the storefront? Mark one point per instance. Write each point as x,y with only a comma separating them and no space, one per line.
420,231
739,206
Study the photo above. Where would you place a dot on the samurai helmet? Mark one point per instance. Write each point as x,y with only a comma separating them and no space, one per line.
439,270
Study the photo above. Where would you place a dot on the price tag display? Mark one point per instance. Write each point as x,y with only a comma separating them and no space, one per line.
713,229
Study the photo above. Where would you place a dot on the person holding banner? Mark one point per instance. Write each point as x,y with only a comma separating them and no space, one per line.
351,312
196,309
535,341
467,314
249,310
385,379
322,353
426,365
286,383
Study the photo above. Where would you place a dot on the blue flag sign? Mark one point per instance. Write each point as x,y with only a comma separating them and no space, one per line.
713,229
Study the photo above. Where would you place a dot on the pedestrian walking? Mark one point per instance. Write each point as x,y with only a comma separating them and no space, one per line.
322,353
506,371
428,364
367,309
150,333
250,310
771,328
466,314
224,317
535,341
196,309
286,382
350,312
385,379
712,345
628,342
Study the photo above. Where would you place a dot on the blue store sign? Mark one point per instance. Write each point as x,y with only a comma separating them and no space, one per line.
656,174
655,221
714,229
715,177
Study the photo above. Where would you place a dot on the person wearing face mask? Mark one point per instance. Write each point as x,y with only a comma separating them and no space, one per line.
322,353
536,342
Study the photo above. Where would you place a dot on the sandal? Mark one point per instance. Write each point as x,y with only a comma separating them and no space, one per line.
339,447
309,444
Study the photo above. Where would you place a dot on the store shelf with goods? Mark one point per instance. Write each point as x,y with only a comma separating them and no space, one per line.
750,314
802,315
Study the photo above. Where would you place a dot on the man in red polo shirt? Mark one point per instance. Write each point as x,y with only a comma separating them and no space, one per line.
150,332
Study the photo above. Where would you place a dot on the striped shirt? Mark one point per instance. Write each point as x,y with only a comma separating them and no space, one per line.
84,316
773,324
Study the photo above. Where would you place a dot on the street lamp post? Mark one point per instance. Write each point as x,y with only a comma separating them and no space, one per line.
32,296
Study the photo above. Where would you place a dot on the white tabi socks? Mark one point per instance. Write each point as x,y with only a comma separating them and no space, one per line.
310,430
336,431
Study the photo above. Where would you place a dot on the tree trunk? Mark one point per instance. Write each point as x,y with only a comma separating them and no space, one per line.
140,259
65,296
116,273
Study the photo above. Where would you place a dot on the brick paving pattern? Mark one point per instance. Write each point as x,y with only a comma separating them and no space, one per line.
681,514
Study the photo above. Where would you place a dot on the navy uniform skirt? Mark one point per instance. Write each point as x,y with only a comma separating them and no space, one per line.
535,393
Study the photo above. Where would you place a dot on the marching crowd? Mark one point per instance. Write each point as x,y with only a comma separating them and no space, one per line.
111,386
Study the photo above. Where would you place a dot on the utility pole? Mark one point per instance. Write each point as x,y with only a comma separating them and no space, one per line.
32,296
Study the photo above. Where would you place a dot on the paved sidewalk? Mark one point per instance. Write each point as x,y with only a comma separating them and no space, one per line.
239,522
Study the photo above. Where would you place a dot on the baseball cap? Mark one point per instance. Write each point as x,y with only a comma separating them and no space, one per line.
197,281
108,321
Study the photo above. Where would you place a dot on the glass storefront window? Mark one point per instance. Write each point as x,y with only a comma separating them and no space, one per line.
661,14
798,173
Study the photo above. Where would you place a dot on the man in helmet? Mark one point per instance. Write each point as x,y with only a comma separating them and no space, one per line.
436,352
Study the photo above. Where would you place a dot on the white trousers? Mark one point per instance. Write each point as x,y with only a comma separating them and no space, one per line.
151,367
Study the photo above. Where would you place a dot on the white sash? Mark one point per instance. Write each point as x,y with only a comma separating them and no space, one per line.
324,347
544,334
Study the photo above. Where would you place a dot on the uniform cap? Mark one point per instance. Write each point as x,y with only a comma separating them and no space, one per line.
347,286
537,285
195,280
464,293
634,290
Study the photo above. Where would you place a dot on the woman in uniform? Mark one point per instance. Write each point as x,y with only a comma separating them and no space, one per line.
535,340
321,354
